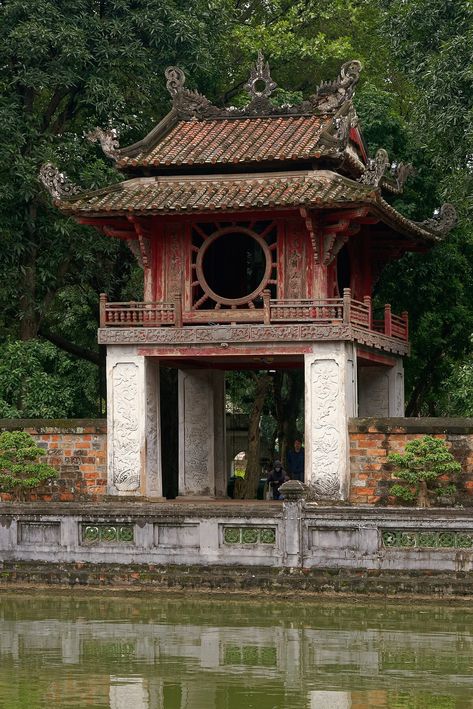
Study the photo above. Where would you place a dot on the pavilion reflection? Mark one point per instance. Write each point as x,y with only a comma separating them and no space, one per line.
156,665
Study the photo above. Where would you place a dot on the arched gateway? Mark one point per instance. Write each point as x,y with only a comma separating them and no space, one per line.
261,232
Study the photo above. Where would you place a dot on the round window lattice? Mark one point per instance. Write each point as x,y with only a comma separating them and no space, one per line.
200,266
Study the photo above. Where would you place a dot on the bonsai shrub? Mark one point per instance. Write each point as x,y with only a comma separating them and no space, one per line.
424,461
19,467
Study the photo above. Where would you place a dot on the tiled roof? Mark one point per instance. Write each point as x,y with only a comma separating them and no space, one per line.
242,140
165,195
178,195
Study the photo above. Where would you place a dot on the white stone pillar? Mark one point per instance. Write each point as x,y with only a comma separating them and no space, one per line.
202,450
381,390
330,400
133,423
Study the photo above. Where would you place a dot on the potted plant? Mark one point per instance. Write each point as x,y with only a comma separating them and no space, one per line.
425,462
20,469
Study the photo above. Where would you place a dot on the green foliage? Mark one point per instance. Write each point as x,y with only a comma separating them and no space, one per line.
424,460
405,494
39,381
19,466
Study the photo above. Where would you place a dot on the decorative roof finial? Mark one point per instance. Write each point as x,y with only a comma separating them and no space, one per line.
442,221
108,140
175,80
331,95
57,183
375,169
259,75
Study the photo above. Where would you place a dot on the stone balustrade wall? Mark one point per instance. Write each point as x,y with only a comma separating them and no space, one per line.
289,535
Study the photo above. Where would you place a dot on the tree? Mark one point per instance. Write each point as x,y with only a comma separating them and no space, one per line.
66,68
19,467
431,45
424,461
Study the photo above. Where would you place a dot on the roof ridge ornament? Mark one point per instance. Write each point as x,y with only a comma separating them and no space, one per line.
336,135
375,169
442,221
187,104
260,75
175,80
331,95
397,179
108,140
57,183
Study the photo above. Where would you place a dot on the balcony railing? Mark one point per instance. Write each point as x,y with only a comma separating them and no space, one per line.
327,310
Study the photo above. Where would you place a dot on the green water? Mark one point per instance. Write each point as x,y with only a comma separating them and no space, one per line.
148,652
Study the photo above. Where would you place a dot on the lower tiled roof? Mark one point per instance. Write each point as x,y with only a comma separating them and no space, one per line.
178,195
165,195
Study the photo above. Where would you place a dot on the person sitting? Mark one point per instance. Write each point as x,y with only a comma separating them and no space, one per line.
295,461
276,478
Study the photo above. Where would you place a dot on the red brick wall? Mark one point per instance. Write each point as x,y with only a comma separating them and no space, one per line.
76,448
371,440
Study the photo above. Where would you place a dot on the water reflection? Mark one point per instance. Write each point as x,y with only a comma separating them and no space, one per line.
119,653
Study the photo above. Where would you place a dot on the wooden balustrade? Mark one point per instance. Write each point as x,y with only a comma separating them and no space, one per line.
358,314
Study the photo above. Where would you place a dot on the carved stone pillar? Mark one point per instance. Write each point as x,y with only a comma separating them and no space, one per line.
330,400
133,424
202,468
381,390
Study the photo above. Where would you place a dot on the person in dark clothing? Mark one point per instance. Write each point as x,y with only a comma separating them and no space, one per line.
276,478
295,461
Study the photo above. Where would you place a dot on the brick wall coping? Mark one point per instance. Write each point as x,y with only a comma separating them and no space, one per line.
131,509
55,425
411,425
217,508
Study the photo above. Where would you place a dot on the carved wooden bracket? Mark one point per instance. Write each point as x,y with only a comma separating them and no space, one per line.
141,243
313,231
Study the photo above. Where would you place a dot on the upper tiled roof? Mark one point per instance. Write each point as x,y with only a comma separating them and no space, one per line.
234,140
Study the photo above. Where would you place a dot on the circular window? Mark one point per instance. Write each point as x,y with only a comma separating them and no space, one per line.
233,266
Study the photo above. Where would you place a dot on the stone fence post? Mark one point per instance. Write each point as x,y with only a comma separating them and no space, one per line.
294,493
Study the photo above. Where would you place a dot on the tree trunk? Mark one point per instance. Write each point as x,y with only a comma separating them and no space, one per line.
423,495
247,488
288,392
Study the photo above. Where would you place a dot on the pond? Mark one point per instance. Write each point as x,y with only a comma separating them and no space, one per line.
149,652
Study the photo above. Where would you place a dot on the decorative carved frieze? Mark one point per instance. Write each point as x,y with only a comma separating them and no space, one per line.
57,183
249,334
108,140
125,427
